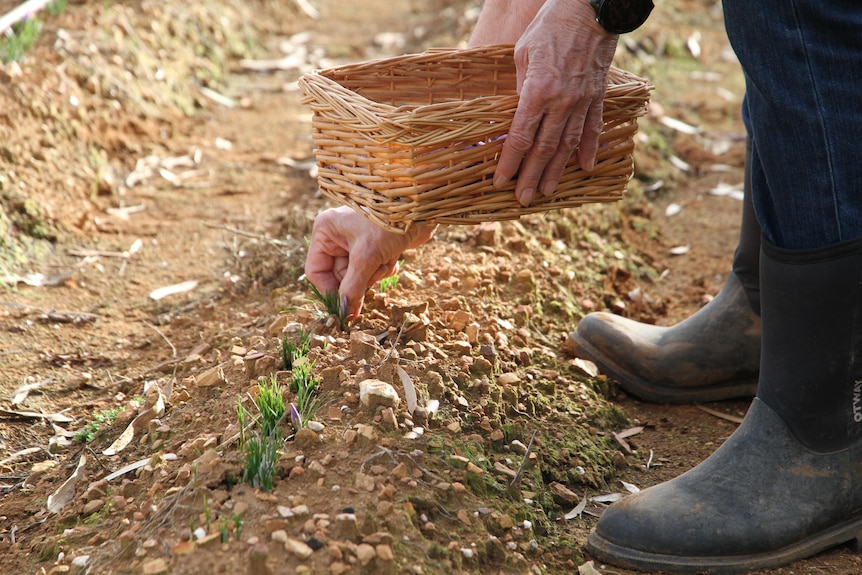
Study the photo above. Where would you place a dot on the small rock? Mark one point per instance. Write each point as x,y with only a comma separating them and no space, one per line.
561,491
365,553
315,426
305,437
345,527
384,552
509,378
154,567
505,521
300,510
79,565
459,320
374,392
93,507
366,432
365,482
298,548
284,511
488,234
363,346
279,536
518,447
257,556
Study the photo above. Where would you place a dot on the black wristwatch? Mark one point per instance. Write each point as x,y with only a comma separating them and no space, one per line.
621,16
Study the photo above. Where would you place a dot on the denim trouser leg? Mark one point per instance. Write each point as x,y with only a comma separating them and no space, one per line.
803,108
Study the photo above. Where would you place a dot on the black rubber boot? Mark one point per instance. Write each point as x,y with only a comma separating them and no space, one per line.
788,482
712,355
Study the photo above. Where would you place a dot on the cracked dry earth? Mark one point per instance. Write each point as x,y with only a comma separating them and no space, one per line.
154,169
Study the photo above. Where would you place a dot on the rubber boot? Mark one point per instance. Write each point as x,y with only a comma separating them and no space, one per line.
712,355
788,482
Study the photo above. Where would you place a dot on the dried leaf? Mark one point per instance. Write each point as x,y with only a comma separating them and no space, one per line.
586,366
719,414
409,389
137,424
22,392
163,292
20,454
631,488
54,417
65,493
609,498
588,569
578,509
631,431
679,125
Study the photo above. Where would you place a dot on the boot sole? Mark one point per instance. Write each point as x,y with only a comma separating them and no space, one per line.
643,389
605,551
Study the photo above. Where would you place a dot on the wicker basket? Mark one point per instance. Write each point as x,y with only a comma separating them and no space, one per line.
415,138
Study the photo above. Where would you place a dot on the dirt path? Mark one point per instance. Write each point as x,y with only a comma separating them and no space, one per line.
133,195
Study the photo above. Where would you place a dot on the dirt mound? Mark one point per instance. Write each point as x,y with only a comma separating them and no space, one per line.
155,197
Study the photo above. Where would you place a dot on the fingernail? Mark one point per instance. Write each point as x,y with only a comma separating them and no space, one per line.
500,181
589,165
527,196
343,303
548,189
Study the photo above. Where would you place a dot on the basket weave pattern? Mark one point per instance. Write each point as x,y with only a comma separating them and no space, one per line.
416,138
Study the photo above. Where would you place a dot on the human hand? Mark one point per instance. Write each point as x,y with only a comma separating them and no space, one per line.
503,21
349,253
562,60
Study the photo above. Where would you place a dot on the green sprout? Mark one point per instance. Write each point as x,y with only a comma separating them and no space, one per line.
309,399
261,456
270,405
18,39
105,417
290,352
389,283
260,444
334,304
224,529
237,525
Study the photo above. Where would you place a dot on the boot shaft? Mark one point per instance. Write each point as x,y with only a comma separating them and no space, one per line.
811,357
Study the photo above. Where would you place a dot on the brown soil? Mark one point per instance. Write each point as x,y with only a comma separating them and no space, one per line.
123,171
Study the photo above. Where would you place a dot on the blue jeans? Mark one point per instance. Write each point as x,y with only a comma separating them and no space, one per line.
802,61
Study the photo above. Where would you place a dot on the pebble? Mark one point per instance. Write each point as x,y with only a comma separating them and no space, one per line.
365,553
374,392
316,426
80,564
306,437
509,378
298,548
284,511
93,506
154,567
279,536
384,552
